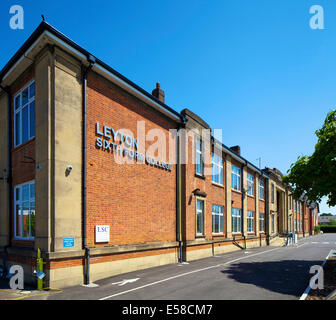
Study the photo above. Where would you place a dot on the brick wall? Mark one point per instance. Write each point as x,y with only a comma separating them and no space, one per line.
137,201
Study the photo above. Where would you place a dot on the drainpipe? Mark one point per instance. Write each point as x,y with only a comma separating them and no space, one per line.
266,211
179,192
9,176
86,70
243,199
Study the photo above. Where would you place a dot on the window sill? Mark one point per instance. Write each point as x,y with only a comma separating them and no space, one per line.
250,196
218,234
217,185
237,191
199,176
22,145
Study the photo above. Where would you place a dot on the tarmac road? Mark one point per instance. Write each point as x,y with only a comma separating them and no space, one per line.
267,273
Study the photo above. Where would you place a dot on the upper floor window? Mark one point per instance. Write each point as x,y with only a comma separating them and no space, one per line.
272,193
24,211
235,178
250,184
24,115
261,190
217,169
199,157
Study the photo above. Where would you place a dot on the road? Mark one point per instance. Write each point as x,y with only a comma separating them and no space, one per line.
267,273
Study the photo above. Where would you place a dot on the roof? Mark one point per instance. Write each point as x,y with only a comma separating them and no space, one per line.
46,29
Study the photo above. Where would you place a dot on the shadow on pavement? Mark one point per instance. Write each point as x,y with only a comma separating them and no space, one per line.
286,277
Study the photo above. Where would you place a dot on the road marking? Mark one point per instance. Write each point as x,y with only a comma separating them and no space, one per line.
301,245
125,281
325,242
185,274
314,242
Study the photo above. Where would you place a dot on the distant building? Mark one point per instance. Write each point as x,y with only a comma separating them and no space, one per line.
326,219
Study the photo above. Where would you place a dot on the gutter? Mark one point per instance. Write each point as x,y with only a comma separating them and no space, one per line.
9,176
86,70
46,29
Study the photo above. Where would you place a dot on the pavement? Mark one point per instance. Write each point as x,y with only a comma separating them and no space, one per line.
266,273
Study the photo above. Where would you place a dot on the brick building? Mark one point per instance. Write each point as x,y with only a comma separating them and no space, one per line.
105,178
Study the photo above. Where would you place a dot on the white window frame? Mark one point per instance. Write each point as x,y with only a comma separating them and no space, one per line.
250,217
236,214
19,202
199,153
236,171
19,111
220,213
217,169
250,184
261,222
261,190
198,211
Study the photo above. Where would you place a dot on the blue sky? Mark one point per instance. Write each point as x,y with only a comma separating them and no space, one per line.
253,68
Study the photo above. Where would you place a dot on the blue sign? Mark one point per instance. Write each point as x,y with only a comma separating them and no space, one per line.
68,242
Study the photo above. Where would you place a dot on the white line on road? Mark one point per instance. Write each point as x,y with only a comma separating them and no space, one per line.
185,274
325,242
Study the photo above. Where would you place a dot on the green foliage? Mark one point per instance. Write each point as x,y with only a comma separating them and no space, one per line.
315,175
332,222
317,229
325,215
328,229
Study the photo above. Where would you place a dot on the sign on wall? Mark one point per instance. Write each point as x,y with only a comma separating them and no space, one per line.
68,242
102,234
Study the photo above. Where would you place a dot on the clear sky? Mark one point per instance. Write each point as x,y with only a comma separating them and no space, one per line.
253,68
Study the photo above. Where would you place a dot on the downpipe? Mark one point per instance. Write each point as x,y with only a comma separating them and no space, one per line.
9,179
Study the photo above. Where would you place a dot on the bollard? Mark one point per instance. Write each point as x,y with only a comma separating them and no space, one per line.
40,274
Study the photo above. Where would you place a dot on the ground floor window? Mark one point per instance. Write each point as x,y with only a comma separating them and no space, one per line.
236,220
250,221
261,222
273,227
199,217
24,211
217,219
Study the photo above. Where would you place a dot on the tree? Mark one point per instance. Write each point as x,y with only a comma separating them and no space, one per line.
315,175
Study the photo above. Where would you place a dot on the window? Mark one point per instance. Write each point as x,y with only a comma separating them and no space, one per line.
250,184
235,178
24,211
261,222
24,115
290,202
272,193
217,169
295,225
250,221
236,220
199,157
273,222
199,217
217,219
261,190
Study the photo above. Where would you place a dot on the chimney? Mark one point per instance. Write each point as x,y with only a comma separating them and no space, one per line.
159,93
236,149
